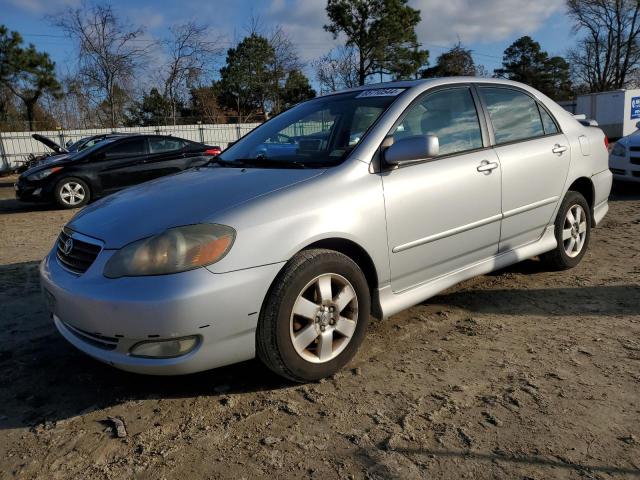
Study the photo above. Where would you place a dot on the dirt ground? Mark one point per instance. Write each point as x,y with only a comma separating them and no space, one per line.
522,374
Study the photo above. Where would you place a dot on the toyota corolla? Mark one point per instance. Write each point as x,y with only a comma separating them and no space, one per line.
284,253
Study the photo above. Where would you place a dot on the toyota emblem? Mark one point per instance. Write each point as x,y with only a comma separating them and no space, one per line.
67,246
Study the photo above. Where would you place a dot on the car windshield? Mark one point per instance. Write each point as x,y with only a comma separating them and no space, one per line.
84,152
76,146
317,134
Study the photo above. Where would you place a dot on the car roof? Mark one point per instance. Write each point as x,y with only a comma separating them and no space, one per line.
426,83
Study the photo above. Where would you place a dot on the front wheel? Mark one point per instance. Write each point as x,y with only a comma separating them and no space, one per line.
572,231
71,192
315,317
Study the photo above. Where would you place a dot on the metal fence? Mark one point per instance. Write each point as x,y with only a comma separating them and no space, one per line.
15,147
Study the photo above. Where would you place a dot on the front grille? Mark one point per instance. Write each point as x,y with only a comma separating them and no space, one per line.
635,160
81,255
95,339
617,171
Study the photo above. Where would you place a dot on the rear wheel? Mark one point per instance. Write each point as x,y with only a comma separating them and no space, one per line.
572,231
71,192
315,317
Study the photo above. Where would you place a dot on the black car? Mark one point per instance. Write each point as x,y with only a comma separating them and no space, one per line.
72,180
59,151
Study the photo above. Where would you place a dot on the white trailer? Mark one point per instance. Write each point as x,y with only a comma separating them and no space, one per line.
616,112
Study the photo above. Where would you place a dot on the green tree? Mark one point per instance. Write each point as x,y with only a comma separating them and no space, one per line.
456,62
525,61
153,109
246,81
558,79
26,72
296,89
382,32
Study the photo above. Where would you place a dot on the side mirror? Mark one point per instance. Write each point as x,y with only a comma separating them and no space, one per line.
411,149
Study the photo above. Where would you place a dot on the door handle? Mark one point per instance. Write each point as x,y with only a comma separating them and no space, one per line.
486,167
559,149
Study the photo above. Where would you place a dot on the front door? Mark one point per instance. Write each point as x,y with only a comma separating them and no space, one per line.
120,164
443,214
534,157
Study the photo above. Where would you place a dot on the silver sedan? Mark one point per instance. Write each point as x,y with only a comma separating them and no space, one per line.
358,203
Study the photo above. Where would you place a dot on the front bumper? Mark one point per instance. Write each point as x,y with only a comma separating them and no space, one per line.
104,317
32,192
622,168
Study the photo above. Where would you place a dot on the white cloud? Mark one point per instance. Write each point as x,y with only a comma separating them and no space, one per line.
443,22
43,7
478,21
303,21
146,17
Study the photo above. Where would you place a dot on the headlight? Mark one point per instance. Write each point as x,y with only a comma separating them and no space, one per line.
43,173
176,250
619,150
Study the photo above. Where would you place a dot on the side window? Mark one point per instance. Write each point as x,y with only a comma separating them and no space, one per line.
450,115
549,125
514,114
164,144
127,148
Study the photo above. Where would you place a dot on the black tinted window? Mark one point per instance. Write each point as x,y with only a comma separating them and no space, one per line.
514,115
549,125
126,148
450,115
159,144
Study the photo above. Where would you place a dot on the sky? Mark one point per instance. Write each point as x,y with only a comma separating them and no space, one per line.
487,27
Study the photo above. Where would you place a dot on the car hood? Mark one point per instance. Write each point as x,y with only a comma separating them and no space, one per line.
45,162
49,143
632,139
189,197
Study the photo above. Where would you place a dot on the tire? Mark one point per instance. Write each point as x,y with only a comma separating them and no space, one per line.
572,242
71,192
333,338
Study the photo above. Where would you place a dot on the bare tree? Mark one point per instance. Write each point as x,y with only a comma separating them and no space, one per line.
110,52
337,69
608,55
285,61
190,53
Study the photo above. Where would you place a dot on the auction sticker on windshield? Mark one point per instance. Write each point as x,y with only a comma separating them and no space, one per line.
381,92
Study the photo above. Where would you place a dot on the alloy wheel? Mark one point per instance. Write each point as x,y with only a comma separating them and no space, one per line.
574,231
72,193
324,318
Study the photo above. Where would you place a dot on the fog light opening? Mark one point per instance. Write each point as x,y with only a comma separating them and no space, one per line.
171,348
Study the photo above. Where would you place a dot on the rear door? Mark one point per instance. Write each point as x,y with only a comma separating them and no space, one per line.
167,155
443,213
120,164
534,156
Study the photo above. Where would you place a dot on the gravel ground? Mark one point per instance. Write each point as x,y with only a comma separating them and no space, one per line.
519,374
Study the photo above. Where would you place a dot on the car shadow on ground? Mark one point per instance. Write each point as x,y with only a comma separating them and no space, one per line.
381,471
43,378
610,300
12,205
625,191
